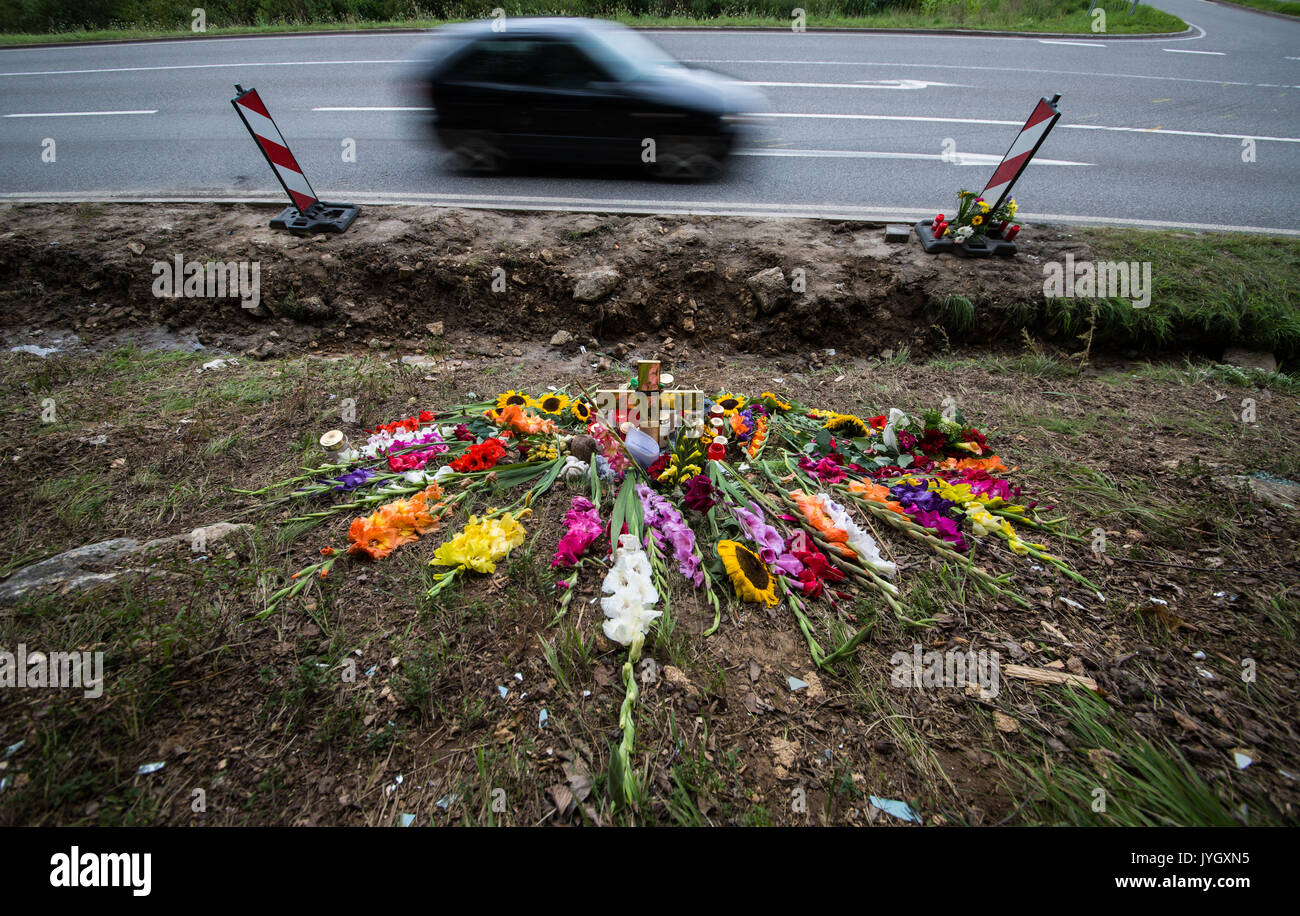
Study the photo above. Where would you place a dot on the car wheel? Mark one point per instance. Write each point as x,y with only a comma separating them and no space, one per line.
685,160
477,152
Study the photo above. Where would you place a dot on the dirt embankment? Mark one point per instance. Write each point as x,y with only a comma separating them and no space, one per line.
714,283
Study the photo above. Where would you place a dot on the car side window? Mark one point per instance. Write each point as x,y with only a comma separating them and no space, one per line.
561,65
500,60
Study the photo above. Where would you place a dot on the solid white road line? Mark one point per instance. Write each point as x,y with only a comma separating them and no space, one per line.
929,120
956,158
862,84
1183,51
373,108
1077,44
79,114
936,120
871,63
606,205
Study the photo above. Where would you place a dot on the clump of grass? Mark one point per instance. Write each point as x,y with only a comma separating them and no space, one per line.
957,314
1117,778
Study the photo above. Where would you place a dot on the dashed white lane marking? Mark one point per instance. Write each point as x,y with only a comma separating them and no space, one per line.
1185,51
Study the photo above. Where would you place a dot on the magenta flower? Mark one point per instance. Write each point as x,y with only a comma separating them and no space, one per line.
826,470
584,524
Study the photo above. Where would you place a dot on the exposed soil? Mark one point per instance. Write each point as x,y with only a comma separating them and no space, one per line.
88,269
1198,577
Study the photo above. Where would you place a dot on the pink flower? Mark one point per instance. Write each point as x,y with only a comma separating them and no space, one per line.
584,524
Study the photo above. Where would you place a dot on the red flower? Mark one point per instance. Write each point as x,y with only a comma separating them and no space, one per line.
480,457
933,442
817,570
878,422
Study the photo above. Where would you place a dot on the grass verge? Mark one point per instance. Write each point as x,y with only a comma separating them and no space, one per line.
989,15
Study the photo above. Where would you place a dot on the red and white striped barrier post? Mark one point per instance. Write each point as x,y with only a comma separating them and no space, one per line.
934,234
308,213
1023,148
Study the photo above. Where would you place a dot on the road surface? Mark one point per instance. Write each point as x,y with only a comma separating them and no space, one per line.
1197,131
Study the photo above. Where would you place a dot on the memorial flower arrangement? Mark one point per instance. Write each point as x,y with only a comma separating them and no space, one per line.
976,217
750,500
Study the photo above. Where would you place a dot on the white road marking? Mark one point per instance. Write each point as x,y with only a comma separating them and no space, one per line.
961,158
373,108
936,120
608,205
1184,51
265,63
80,114
1077,44
922,118
861,84
871,63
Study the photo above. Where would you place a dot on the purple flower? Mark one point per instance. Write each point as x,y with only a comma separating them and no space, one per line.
920,497
668,527
353,479
769,541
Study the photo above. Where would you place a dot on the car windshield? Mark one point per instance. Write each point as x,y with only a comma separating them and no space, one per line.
628,56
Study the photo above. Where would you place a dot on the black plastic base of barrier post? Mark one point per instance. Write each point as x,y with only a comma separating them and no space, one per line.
319,217
975,247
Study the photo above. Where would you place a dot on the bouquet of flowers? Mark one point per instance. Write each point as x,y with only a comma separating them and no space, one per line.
976,218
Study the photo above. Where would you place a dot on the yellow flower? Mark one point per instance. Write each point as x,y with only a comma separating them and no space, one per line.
976,220
580,410
984,206
481,545
847,425
517,398
772,402
730,403
748,573
553,403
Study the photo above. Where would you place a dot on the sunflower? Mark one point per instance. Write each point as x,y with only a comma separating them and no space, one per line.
517,398
581,410
772,402
847,425
977,221
749,574
553,403
730,403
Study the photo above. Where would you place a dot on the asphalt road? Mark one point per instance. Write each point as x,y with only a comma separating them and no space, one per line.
1153,132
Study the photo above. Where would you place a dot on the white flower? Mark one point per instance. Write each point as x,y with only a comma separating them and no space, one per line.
964,233
890,434
863,544
631,593
574,468
443,473
418,478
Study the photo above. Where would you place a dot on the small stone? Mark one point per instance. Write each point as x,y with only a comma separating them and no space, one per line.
561,338
596,284
435,328
895,233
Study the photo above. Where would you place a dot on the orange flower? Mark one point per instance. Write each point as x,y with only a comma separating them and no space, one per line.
327,551
877,493
513,416
394,524
760,436
818,518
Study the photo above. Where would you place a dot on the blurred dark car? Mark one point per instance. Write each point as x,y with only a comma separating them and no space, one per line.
580,91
